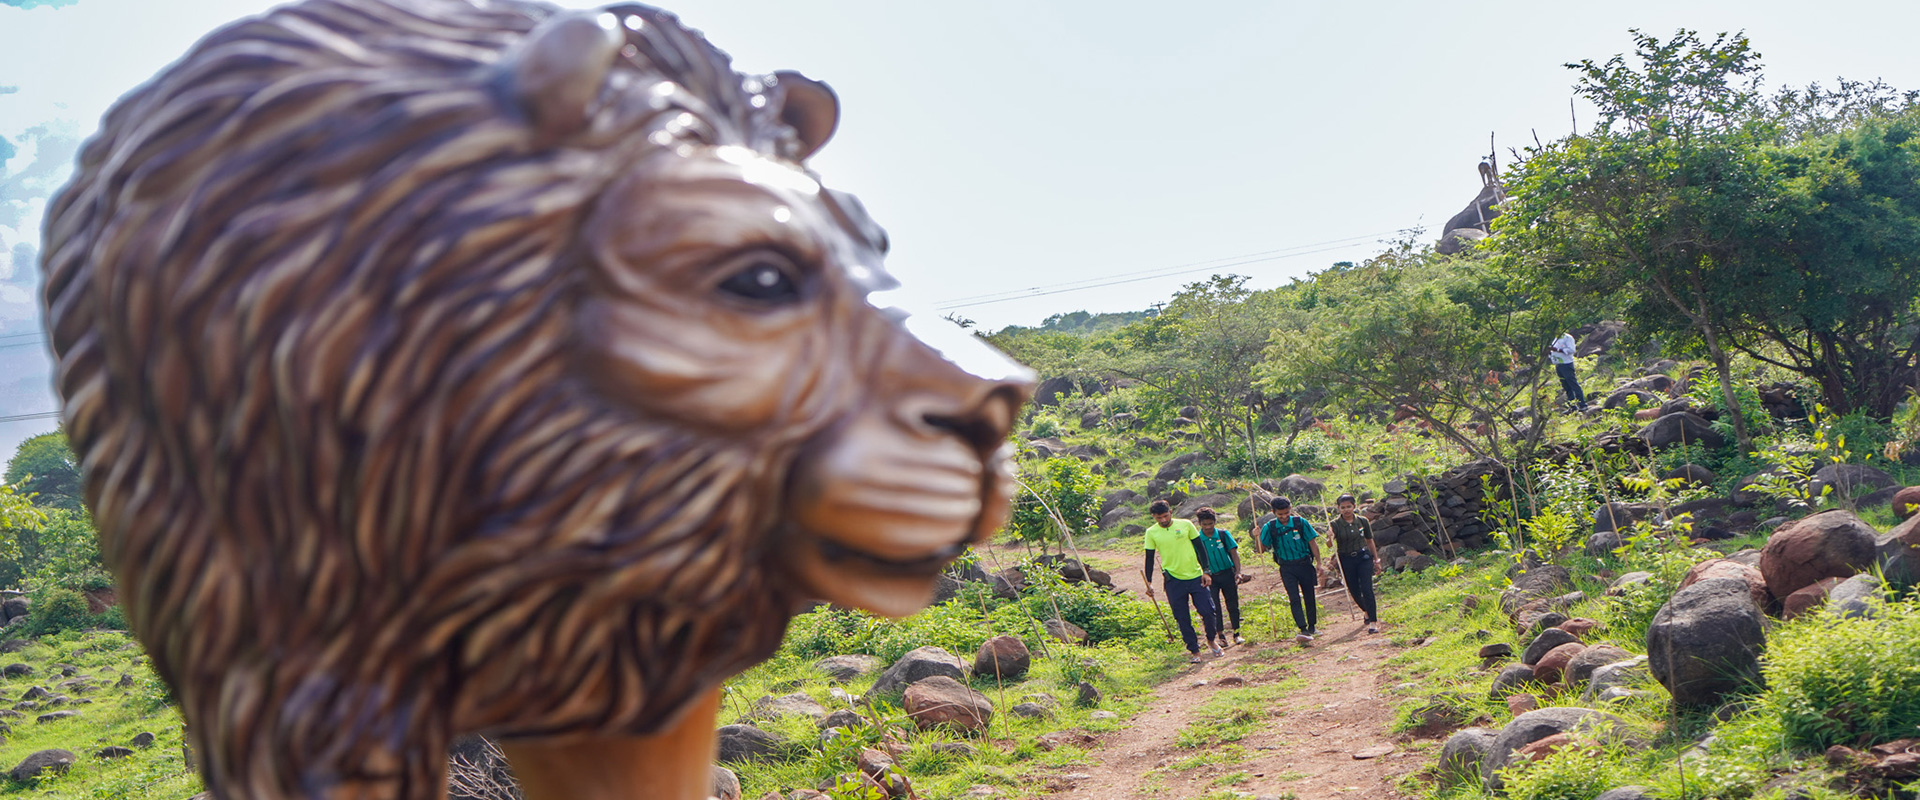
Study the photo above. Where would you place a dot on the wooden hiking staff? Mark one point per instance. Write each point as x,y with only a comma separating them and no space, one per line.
1166,626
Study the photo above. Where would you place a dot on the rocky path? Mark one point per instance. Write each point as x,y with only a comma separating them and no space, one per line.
1320,717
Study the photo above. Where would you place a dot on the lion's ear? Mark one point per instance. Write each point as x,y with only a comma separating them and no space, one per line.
811,108
555,73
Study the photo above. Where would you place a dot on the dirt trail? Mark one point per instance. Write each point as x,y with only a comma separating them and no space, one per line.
1306,744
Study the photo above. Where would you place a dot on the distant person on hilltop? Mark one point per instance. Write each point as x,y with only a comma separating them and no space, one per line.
1296,549
1561,354
1181,554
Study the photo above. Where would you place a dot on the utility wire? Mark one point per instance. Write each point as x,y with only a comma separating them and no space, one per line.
1177,269
41,415
951,306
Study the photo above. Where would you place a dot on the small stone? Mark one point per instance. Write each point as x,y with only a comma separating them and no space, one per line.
56,715
1521,703
1071,737
1496,650
1103,715
1031,711
142,739
1372,752
113,752
1088,695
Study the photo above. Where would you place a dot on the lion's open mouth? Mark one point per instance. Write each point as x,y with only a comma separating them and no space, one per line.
929,565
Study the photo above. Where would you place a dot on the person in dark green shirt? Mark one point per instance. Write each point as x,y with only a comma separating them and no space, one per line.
1181,554
1223,565
1359,559
1296,549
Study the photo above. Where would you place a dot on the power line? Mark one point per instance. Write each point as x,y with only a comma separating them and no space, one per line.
951,306
45,415
1177,269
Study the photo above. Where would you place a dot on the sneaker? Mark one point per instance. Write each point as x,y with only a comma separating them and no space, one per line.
1238,640
1373,627
1307,635
1217,652
1194,658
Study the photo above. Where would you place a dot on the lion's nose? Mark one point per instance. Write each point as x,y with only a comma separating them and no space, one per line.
959,384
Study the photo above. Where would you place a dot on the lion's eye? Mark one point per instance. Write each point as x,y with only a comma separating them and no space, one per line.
764,280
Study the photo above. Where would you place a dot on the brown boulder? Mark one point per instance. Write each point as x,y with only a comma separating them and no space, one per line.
1518,704
1906,501
940,700
1726,568
1807,598
1552,665
1579,626
1004,656
1830,544
1541,748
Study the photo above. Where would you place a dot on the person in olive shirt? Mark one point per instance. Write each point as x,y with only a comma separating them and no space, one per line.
1359,559
1181,554
1223,567
1296,549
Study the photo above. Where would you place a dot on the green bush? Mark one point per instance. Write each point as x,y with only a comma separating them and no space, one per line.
57,609
1855,682
1573,772
1105,616
1275,459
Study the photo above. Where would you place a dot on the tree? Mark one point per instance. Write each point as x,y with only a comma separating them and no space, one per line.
1436,335
1778,227
45,468
1064,487
1202,350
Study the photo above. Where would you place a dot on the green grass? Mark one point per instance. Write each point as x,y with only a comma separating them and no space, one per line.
114,717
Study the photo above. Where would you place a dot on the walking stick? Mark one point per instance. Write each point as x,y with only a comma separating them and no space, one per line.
1166,627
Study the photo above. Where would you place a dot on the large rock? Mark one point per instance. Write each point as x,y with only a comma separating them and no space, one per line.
1830,544
917,665
1545,643
791,705
1218,501
1176,467
1621,516
1808,598
1727,568
1460,757
1299,487
1510,680
1062,630
1706,642
1117,498
743,743
1049,391
940,700
846,668
1906,502
1536,725
1535,582
1682,428
726,785
1004,656
1849,480
1602,543
42,762
1691,475
1552,665
1899,553
1619,674
1856,596
1580,668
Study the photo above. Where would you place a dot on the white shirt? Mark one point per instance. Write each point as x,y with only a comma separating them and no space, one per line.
1562,350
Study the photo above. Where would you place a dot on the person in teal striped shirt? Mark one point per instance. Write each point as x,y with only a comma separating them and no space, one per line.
1223,565
1296,549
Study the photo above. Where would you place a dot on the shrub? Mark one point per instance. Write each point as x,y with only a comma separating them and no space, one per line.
1275,458
1573,772
1064,487
1850,681
56,609
1105,616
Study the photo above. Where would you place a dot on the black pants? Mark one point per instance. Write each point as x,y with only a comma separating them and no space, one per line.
1178,593
1226,593
1570,384
1299,579
1358,569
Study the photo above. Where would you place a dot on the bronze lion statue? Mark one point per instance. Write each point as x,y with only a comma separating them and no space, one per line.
449,366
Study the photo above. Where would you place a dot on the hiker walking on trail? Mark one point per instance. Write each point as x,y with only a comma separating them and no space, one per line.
1181,554
1561,354
1296,549
1359,559
1223,566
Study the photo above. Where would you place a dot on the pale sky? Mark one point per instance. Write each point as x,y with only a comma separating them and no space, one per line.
1009,146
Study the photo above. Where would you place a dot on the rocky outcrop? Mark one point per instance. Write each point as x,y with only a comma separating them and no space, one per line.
1706,642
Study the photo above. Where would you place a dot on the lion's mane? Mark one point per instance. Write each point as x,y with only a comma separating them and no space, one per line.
309,296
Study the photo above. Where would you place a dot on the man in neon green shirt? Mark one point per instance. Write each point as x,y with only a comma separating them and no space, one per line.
1181,554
